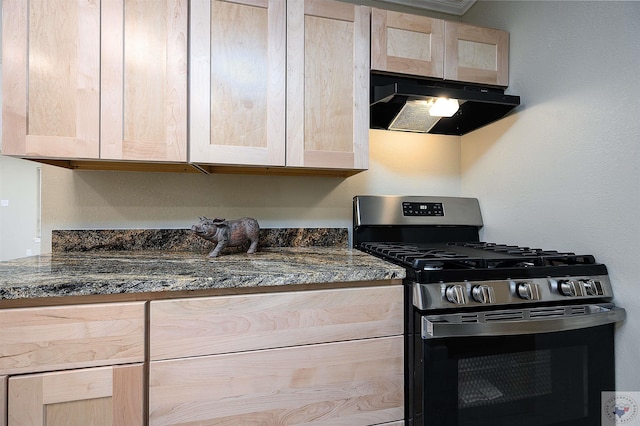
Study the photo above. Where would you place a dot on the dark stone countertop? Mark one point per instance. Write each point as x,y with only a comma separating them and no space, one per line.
151,271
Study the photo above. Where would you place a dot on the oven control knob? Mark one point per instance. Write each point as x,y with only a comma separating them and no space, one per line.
456,294
591,288
528,291
567,288
482,294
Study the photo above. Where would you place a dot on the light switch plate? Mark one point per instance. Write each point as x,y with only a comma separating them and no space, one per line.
4,203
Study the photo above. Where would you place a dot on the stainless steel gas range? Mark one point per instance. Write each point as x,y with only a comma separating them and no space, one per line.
495,334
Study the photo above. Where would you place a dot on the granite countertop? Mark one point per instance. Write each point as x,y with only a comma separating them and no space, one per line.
83,273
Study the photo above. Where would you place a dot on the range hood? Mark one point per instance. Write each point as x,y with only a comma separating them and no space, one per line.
402,103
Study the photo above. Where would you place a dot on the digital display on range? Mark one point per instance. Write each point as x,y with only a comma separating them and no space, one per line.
422,209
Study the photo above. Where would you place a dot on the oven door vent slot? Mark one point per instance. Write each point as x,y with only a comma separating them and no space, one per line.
469,318
547,312
504,316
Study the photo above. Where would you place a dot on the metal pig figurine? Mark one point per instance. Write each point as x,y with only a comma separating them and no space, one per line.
228,233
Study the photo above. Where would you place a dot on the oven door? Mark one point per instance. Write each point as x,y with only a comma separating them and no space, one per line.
514,371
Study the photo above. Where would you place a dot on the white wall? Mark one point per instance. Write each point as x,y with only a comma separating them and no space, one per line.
564,173
400,163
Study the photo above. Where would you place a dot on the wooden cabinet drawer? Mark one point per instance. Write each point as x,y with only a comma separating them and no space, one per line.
215,325
51,338
356,383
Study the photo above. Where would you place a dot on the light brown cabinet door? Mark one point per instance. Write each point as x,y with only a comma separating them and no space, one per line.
144,80
407,44
101,396
476,54
327,84
237,100
355,382
51,78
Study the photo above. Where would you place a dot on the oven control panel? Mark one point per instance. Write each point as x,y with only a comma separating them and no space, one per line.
510,292
422,209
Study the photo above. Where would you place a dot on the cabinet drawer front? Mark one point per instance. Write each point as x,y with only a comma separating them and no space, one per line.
355,383
215,325
51,338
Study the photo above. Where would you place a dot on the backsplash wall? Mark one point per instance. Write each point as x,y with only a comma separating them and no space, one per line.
400,163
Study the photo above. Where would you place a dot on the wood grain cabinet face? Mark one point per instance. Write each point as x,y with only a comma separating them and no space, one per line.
144,80
427,47
476,54
327,84
318,357
63,337
238,82
51,78
407,44
95,80
243,113
103,396
215,325
356,383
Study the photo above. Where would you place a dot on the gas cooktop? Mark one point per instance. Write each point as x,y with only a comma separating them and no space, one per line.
432,262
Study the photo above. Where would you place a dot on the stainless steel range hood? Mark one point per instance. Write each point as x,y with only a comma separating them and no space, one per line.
402,103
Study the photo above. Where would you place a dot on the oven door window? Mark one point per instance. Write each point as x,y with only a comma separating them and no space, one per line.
531,380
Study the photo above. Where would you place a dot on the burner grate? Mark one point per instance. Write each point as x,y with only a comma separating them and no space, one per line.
472,255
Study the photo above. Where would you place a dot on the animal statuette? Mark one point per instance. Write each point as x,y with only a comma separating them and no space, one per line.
228,233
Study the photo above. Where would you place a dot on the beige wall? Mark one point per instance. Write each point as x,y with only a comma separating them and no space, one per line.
400,163
564,173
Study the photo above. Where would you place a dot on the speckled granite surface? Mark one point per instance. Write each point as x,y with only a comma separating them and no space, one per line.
185,240
144,271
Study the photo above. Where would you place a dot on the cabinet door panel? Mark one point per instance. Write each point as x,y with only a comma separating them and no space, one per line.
327,84
407,44
99,396
237,82
144,87
476,54
355,383
51,78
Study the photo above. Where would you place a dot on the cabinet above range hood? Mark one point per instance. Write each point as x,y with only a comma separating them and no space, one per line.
402,103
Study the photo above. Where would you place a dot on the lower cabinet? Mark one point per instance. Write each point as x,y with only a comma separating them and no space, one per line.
356,382
329,356
94,396
73,365
332,356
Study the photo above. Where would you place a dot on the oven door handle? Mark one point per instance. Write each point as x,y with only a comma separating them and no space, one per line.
503,323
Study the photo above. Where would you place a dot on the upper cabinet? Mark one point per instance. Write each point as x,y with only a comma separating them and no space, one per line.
51,78
407,44
327,84
237,65
92,80
476,54
144,80
428,47
278,85
243,113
